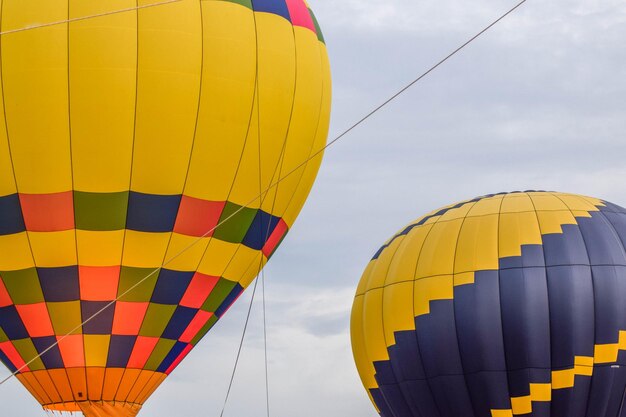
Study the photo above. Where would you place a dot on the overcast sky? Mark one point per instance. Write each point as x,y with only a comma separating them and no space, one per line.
537,103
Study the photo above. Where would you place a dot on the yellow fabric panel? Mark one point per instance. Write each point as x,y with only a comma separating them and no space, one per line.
378,277
546,202
96,349
53,249
312,167
404,262
271,115
521,405
471,256
363,363
397,310
16,253
577,203
185,252
501,413
622,340
551,221
438,252
169,68
486,206
99,248
431,289
606,353
362,287
373,332
304,119
464,278
516,203
145,249
541,392
102,71
246,278
240,262
456,213
7,180
216,258
517,229
228,83
563,379
36,95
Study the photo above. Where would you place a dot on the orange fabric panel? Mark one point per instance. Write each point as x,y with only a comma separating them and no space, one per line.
95,383
59,377
29,387
16,359
72,351
98,283
78,381
48,212
66,407
128,318
5,298
141,351
112,378
128,380
151,387
36,319
144,378
109,409
40,395
48,385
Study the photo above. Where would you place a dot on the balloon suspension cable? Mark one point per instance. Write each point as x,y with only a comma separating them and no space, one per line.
91,16
270,187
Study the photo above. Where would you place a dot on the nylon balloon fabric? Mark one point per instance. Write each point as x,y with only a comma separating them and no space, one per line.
506,305
129,132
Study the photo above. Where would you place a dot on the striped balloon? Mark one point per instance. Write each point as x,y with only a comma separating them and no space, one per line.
505,305
137,136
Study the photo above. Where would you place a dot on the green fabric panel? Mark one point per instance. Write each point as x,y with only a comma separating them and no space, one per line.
318,29
27,351
217,296
100,211
246,3
235,228
204,330
3,336
130,276
65,317
23,286
159,353
157,318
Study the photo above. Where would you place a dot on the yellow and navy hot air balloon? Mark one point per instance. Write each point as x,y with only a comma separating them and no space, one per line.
505,305
129,131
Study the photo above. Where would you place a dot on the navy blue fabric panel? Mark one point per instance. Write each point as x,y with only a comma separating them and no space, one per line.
5,360
611,207
176,350
152,213
120,349
572,402
488,390
600,393
567,248
384,373
541,409
532,256
229,300
609,287
11,219
525,318
478,323
451,396
618,221
405,357
52,358
420,398
519,380
102,321
278,7
395,400
436,336
11,323
570,290
617,399
59,284
382,405
603,244
179,322
261,228
171,286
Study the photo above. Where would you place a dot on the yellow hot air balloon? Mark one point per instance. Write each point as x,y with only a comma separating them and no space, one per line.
129,131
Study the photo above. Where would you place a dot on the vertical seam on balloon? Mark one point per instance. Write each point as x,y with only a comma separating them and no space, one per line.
130,176
545,268
593,299
456,329
506,373
69,128
6,126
